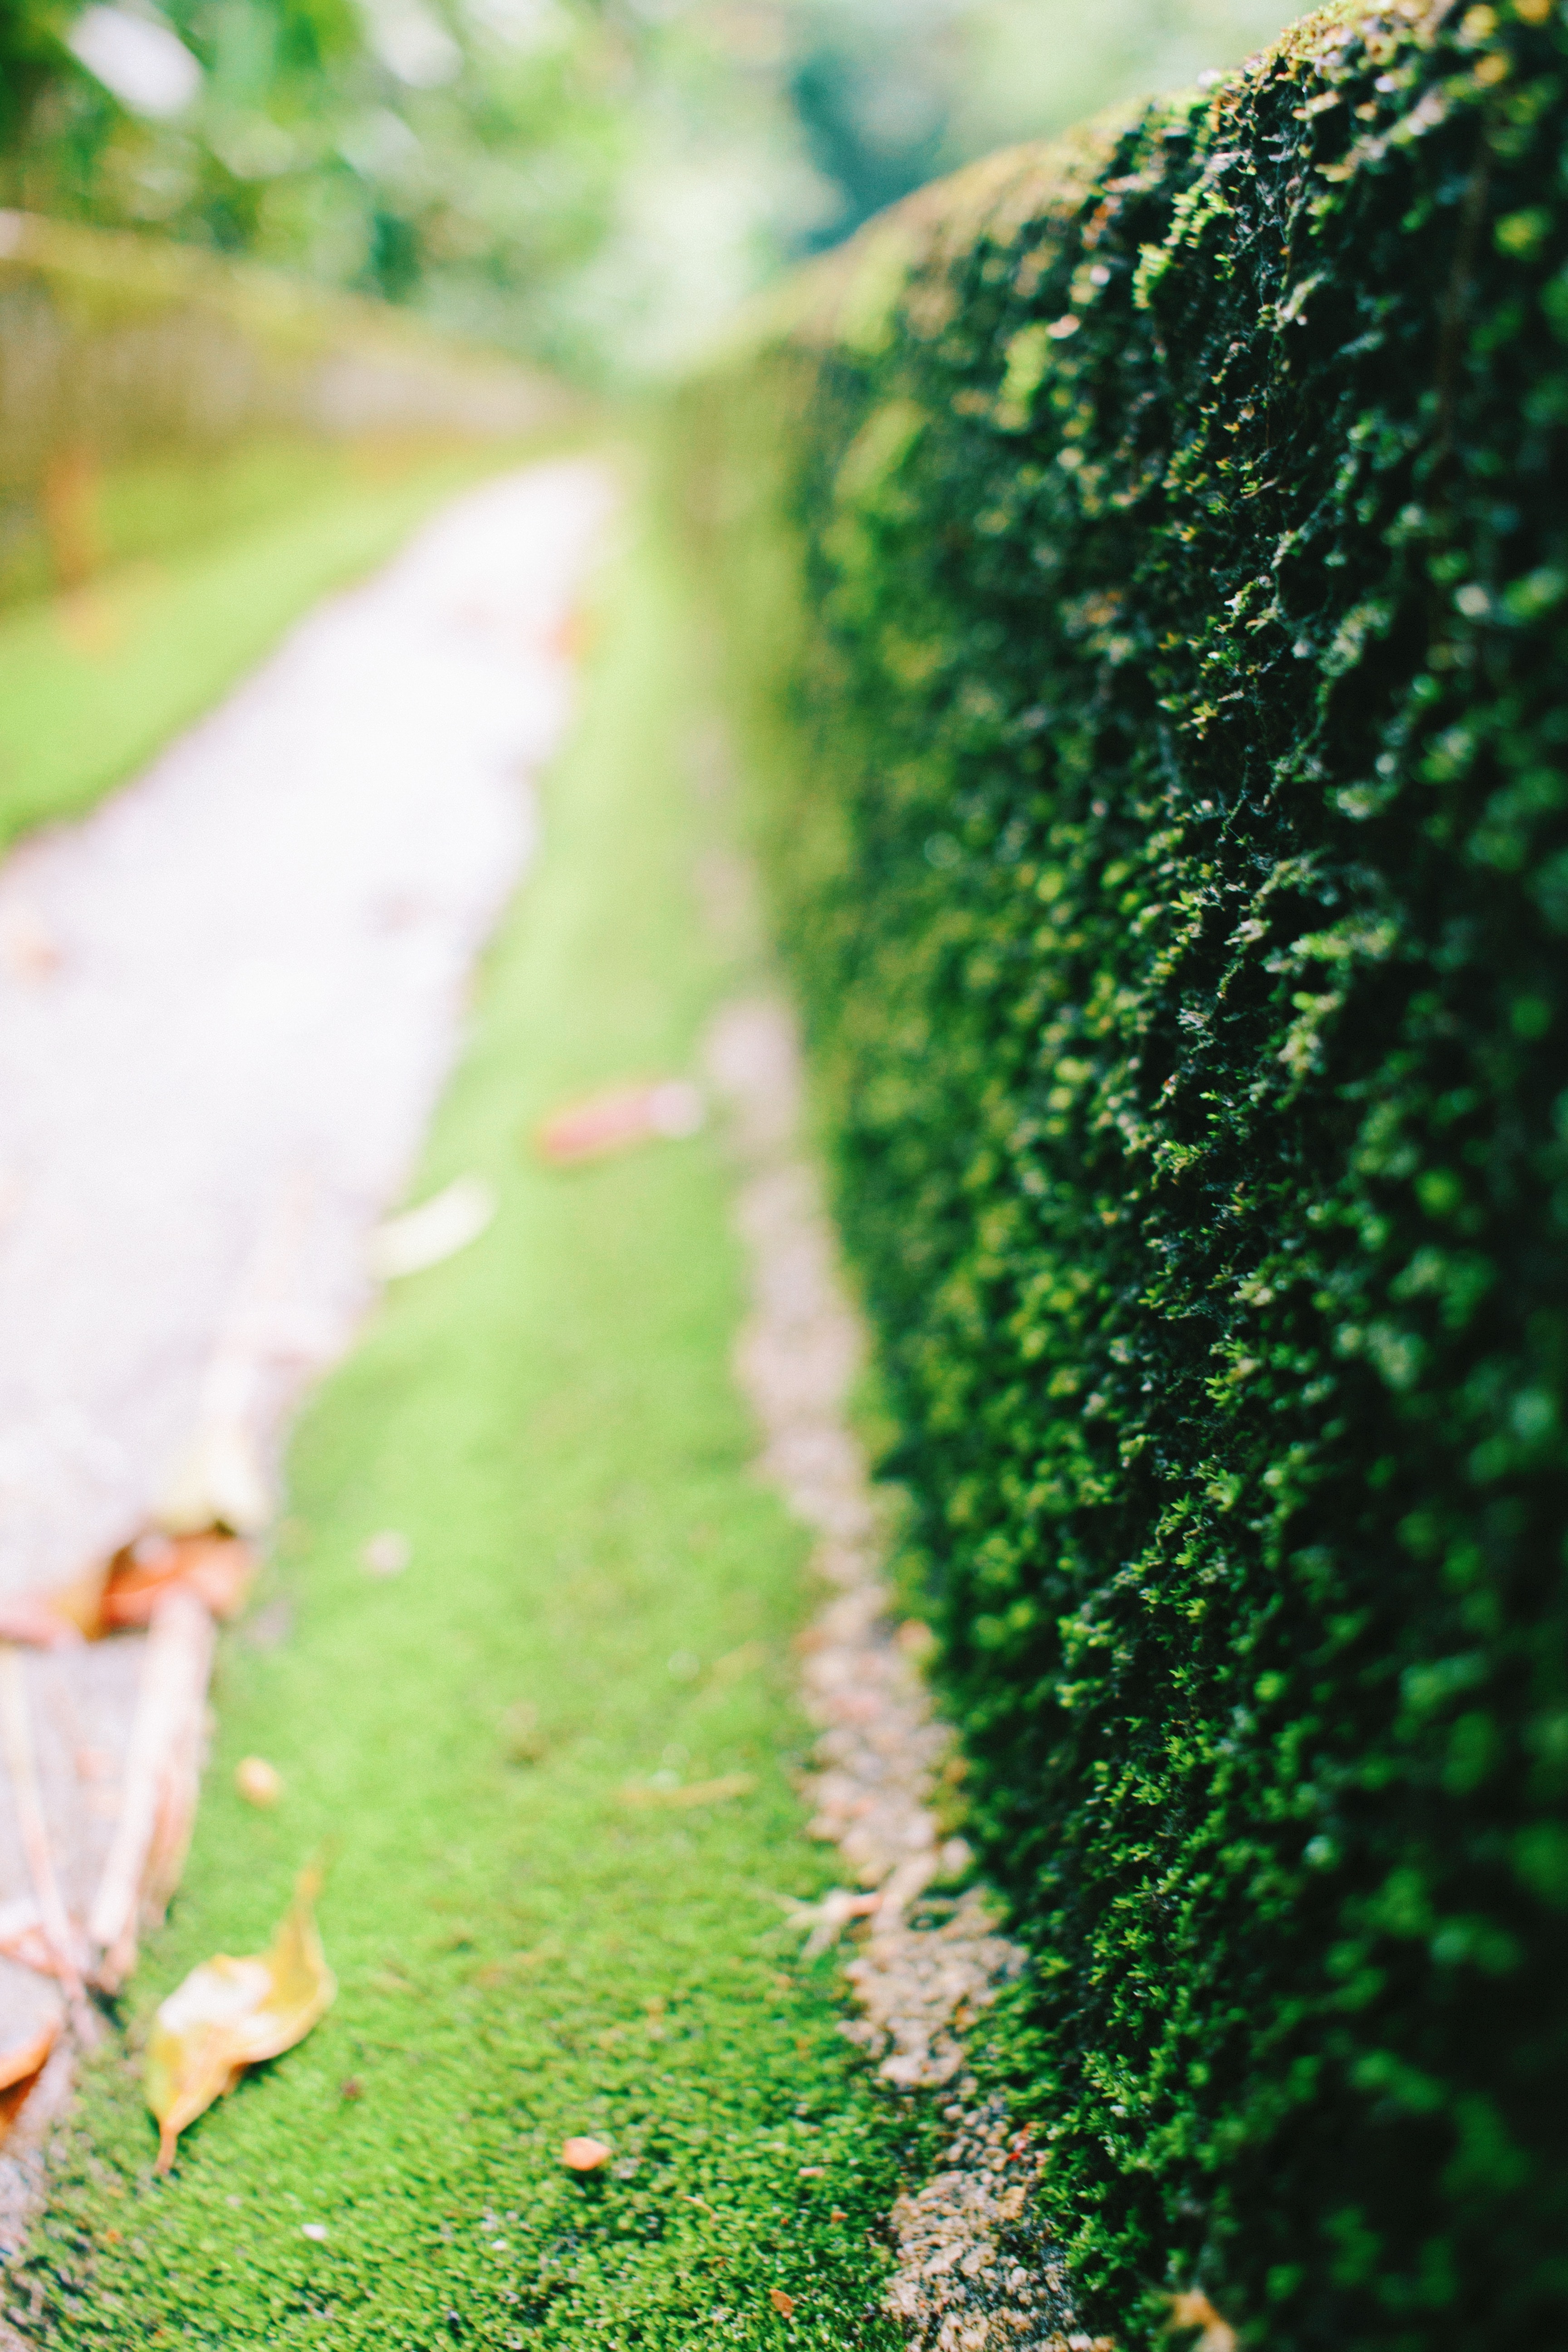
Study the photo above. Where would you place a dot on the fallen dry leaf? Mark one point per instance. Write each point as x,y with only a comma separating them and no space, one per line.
526,1741
60,1939
230,2014
215,1568
123,1594
827,1918
695,1792
434,1231
585,2154
1194,2310
159,1781
783,2303
259,1782
744,1661
219,1483
618,1118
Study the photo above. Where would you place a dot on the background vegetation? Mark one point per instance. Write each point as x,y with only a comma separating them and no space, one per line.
1153,552
594,181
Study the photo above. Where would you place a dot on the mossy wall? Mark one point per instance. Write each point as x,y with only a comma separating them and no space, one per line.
1156,554
149,392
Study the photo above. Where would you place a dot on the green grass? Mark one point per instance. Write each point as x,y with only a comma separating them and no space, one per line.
92,684
600,1589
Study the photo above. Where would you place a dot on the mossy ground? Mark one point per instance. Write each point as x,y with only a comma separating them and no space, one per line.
94,682
600,1591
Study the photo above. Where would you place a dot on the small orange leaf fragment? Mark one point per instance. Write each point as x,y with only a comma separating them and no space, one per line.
783,2303
230,2014
585,2154
615,1120
125,1592
217,1567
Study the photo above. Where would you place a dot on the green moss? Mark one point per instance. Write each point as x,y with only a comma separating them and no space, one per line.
599,1590
1170,832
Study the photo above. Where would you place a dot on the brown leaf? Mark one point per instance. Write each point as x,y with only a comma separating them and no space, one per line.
230,2014
585,2154
215,1568
1194,2309
122,1595
34,2018
783,2303
618,1118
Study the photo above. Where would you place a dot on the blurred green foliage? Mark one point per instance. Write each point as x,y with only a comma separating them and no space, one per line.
369,148
599,181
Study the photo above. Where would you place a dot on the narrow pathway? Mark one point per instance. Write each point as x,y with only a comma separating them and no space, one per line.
227,1002
527,1648
557,1753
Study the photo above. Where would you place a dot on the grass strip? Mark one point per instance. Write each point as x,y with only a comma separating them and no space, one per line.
599,1593
93,683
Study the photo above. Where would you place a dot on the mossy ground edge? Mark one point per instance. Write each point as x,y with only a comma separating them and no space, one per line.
600,1591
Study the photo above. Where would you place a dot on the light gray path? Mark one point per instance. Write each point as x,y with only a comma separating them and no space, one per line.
227,1000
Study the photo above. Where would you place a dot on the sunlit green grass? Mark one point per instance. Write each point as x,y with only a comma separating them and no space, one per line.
600,1591
93,683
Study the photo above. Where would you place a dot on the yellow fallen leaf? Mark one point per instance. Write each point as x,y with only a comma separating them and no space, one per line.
219,1481
230,2014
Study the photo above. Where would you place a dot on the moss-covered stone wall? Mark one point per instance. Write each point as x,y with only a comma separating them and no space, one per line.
1150,558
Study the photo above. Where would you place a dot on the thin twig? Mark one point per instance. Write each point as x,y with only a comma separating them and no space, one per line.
162,1767
16,1718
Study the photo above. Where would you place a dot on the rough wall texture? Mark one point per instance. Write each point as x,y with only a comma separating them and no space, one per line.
1158,553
